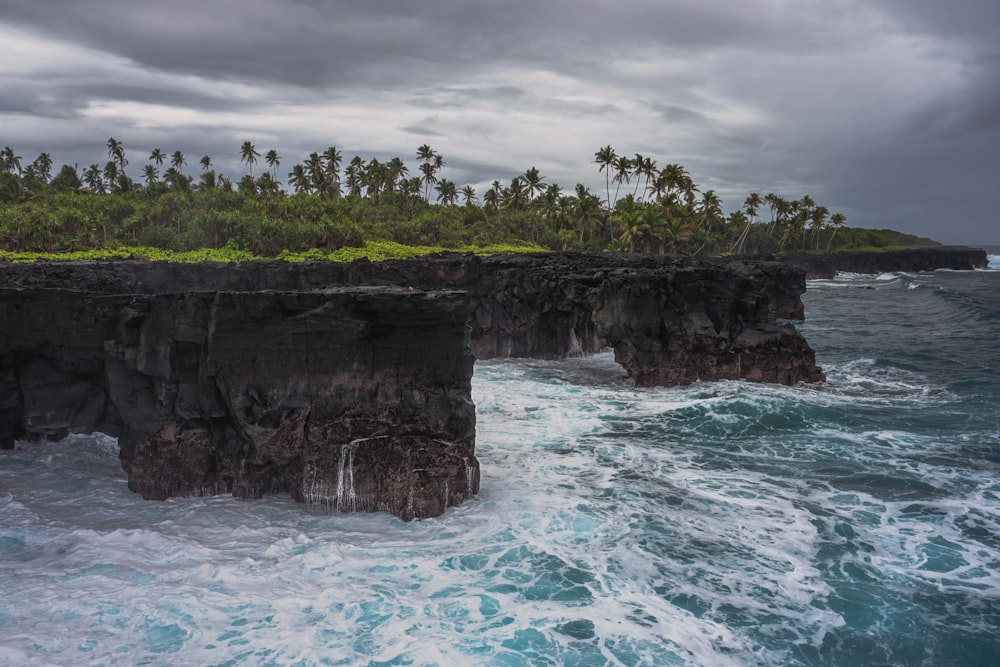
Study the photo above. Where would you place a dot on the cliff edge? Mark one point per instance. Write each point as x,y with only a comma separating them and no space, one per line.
349,385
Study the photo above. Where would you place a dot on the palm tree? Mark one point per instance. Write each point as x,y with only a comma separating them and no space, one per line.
150,173
92,177
837,221
273,161
777,206
515,196
549,203
492,197
425,153
355,174
647,168
688,190
634,230
43,166
623,170
586,211
331,162
710,209
247,185
206,162
157,157
110,173
637,171
267,184
794,222
410,186
117,153
375,177
447,193
314,168
431,165
396,171
177,161
249,155
9,161
606,158
468,195
429,178
299,179
379,178
533,181
817,222
674,233
751,205
673,178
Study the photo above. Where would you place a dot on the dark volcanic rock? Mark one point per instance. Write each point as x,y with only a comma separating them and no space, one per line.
699,323
700,319
317,393
348,385
956,258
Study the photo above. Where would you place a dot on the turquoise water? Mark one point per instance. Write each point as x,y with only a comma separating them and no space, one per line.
851,523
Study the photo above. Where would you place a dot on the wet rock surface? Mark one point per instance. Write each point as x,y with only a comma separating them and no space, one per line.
319,394
349,385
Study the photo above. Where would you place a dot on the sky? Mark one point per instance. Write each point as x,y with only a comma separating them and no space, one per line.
885,110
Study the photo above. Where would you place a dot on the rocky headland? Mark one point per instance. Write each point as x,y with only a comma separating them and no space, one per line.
349,385
956,258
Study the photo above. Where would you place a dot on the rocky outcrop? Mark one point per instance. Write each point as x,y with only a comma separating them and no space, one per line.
670,321
699,323
348,385
318,393
956,258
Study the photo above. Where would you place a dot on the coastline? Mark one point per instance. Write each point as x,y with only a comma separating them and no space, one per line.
955,258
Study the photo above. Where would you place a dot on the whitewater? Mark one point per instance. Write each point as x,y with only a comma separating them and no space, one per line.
855,522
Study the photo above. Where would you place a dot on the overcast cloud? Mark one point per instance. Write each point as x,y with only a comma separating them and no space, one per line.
885,110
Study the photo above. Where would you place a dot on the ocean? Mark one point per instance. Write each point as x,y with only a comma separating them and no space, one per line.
851,523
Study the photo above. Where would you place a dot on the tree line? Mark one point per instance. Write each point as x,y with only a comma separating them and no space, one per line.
323,202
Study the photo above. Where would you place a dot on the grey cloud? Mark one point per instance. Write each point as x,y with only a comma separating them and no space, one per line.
441,57
673,113
423,128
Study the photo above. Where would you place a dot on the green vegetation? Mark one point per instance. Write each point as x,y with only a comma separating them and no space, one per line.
378,210
373,251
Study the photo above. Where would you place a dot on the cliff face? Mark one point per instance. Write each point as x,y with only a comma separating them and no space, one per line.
911,260
349,385
319,394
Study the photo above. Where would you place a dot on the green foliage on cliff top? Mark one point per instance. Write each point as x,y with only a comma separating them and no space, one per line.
375,252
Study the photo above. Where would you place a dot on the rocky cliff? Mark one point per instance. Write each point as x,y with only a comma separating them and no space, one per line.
349,385
317,393
956,258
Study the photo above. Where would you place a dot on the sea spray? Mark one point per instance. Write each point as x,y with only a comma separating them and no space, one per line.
848,523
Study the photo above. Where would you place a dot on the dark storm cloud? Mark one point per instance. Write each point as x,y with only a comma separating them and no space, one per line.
854,102
323,43
936,172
